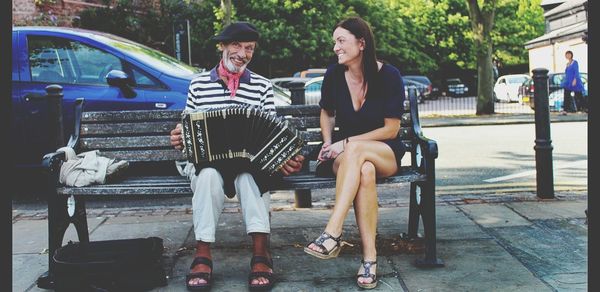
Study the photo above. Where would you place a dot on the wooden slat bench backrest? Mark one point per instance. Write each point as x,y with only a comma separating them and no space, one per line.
143,136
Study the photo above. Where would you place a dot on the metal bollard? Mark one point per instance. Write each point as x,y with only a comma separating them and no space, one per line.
297,92
54,93
543,143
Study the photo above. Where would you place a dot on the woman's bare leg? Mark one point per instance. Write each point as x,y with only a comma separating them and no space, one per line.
366,212
348,168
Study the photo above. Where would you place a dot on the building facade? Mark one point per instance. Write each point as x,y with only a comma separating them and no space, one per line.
566,30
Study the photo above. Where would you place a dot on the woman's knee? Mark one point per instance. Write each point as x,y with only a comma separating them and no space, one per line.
353,149
368,174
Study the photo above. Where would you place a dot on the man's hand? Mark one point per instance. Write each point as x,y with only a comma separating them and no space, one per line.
292,165
176,137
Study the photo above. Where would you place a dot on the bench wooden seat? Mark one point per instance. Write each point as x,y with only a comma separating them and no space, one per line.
142,138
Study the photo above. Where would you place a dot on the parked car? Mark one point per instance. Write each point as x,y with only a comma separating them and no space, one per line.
429,92
556,92
312,90
506,88
285,82
107,71
455,87
420,88
526,91
312,72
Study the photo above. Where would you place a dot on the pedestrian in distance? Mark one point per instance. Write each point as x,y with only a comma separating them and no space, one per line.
231,83
572,85
364,98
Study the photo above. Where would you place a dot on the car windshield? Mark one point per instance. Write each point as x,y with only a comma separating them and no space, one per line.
420,79
453,81
161,61
517,80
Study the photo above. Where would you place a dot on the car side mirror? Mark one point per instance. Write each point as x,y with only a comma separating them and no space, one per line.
120,79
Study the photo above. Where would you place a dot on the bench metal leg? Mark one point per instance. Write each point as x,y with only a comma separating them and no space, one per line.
79,220
58,222
413,212
302,198
59,218
427,208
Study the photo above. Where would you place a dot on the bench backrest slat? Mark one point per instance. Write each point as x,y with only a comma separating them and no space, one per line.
138,136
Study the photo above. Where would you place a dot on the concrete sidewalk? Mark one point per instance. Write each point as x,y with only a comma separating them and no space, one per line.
497,119
489,242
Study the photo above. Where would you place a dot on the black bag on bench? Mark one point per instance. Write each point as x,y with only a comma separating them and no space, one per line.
111,265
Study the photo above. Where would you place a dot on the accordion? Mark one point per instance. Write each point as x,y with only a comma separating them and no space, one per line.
245,132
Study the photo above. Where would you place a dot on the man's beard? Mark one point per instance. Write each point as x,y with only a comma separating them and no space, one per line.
232,67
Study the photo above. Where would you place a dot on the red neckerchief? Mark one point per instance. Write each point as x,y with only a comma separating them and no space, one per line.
233,79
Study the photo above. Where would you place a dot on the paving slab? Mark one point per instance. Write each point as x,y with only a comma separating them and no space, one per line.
494,215
550,248
296,271
550,210
173,232
31,236
471,265
26,268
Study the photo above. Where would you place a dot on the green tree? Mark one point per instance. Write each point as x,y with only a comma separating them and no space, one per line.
516,22
294,35
481,13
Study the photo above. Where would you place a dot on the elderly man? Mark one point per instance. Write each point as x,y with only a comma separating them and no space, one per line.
230,83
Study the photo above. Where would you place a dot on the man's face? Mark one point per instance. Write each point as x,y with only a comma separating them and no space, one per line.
237,55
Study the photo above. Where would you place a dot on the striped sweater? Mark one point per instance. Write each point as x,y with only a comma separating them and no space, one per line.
208,91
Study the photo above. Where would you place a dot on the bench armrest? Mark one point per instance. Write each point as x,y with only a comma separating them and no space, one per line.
74,139
424,156
53,161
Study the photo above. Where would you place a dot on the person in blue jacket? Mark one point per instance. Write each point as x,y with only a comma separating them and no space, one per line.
572,84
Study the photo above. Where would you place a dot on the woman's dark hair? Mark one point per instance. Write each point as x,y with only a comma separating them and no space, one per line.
361,30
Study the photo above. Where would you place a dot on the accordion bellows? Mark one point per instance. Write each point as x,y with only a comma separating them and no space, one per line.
239,132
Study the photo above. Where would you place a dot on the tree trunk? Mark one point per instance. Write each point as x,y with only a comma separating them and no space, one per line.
482,22
226,6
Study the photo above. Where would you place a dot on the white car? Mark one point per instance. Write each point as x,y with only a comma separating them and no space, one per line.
506,88
312,90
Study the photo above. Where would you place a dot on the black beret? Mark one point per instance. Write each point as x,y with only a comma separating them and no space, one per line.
238,31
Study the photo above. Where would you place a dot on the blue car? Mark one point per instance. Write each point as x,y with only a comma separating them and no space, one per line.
107,71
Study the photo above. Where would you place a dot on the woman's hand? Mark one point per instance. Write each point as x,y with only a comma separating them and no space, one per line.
324,153
331,151
574,82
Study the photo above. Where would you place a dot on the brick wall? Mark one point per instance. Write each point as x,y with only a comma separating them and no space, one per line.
56,12
52,12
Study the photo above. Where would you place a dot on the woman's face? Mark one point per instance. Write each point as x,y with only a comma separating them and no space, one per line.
569,56
347,47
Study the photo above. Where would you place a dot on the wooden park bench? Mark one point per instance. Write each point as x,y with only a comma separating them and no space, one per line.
142,139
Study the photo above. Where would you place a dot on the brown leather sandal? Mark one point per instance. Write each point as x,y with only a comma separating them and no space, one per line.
267,275
205,276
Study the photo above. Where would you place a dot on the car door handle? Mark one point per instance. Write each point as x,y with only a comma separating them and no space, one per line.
33,97
160,105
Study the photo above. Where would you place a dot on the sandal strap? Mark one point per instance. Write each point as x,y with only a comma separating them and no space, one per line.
254,275
324,236
262,260
200,275
201,260
367,269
